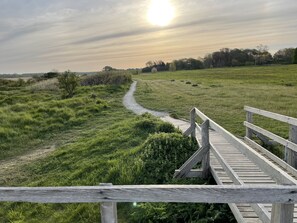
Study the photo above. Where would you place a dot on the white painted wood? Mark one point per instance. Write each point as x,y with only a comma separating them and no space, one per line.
193,122
249,118
205,165
292,155
282,118
262,212
273,136
108,210
282,213
153,193
271,156
190,163
269,168
188,131
191,174
230,172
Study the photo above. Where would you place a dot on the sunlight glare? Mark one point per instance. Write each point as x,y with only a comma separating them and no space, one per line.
160,13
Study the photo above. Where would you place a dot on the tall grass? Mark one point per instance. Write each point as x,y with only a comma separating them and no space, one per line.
27,117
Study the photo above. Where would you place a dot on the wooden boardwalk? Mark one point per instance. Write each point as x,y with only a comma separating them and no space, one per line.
235,162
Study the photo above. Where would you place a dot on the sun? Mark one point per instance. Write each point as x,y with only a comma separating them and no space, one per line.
160,13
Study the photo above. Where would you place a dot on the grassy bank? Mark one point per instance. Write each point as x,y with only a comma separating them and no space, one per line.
222,93
107,144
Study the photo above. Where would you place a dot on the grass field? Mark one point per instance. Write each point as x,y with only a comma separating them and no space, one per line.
97,140
222,93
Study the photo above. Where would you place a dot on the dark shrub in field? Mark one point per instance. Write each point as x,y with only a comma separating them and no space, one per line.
68,82
108,78
161,154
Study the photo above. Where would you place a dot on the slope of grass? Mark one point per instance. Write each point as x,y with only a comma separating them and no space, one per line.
222,93
112,146
31,118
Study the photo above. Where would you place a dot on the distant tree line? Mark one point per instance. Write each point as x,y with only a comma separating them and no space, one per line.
227,58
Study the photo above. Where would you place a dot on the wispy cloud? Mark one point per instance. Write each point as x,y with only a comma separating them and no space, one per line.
86,35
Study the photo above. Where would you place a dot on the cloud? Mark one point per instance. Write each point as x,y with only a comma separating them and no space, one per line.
41,35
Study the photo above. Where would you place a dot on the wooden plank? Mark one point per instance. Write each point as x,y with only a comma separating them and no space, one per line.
192,173
205,143
108,210
282,118
190,163
271,169
273,136
292,155
238,216
230,172
193,122
188,131
249,118
153,193
261,212
271,156
282,213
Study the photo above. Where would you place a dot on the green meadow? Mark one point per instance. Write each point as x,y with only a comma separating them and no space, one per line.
222,93
97,141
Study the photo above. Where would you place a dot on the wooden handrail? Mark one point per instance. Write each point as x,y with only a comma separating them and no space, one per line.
153,193
271,169
279,117
276,138
290,152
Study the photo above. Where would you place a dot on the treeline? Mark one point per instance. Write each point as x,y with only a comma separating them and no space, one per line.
227,58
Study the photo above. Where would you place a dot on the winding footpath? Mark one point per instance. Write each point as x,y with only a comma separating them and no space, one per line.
131,104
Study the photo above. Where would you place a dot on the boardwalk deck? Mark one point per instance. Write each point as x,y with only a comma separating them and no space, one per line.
246,169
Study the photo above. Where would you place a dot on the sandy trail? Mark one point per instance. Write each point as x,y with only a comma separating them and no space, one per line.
131,104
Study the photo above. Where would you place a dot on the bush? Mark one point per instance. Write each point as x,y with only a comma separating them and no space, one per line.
162,153
107,78
68,82
295,57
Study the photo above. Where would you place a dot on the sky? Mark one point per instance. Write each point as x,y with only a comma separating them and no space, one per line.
86,35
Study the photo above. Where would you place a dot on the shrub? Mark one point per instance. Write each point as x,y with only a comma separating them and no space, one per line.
68,82
163,153
295,57
50,75
107,78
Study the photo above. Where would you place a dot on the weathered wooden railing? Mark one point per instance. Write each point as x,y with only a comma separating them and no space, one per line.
286,195
290,145
280,176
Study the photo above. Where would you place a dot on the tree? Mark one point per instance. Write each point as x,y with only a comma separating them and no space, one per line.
107,68
295,57
51,74
68,82
284,56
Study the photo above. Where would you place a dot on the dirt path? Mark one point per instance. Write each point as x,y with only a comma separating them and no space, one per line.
131,104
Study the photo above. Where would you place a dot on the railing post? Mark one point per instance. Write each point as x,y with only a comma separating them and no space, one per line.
248,131
205,165
193,123
282,213
291,156
108,210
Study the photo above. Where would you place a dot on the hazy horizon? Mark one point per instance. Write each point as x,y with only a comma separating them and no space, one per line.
38,36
